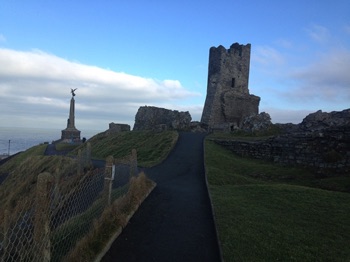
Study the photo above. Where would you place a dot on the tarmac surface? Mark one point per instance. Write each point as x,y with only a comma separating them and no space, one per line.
175,222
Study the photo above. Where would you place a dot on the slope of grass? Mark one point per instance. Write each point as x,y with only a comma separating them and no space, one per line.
270,213
65,146
152,147
22,181
38,150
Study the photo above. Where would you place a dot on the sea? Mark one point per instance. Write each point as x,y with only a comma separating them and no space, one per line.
17,139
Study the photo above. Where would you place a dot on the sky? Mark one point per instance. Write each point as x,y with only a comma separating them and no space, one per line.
124,54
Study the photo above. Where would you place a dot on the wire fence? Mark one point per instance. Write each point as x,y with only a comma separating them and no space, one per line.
47,225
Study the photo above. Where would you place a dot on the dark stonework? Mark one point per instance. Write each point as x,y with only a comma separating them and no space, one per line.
159,119
260,122
321,120
321,142
228,100
326,153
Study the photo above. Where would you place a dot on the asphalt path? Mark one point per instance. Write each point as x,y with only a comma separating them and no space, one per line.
175,222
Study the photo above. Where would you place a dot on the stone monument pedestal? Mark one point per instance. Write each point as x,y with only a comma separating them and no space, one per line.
70,135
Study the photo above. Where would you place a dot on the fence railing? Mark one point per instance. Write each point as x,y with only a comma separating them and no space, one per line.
46,227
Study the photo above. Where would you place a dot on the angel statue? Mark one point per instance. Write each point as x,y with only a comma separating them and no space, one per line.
72,91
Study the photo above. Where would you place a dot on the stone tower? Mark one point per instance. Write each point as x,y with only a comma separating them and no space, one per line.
71,134
228,100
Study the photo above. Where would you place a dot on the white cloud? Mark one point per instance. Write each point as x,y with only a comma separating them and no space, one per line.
267,56
38,81
326,78
318,33
281,115
284,43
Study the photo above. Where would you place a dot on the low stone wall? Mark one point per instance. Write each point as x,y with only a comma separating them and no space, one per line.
327,151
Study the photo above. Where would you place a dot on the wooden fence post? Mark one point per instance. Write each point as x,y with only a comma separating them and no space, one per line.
88,155
42,216
133,163
109,169
80,164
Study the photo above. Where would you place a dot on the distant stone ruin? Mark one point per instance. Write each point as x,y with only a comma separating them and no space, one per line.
116,128
159,119
228,100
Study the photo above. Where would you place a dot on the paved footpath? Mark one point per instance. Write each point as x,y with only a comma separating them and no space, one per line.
175,222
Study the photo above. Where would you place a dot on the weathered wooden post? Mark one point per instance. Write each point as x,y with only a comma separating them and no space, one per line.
80,165
88,155
109,176
42,216
133,163
56,189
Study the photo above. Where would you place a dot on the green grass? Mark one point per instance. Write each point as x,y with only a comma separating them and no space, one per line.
38,150
266,212
65,146
22,182
152,147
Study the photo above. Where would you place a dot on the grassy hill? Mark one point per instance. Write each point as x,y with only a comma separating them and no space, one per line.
24,168
266,212
152,148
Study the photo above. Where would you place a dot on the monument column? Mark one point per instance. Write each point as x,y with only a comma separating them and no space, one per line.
71,134
71,122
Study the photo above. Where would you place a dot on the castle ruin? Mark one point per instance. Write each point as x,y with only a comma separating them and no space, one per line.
228,100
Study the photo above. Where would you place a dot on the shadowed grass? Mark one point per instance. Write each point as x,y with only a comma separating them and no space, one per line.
113,218
266,212
22,182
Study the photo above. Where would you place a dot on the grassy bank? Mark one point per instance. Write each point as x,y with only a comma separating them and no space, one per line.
21,157
266,212
152,147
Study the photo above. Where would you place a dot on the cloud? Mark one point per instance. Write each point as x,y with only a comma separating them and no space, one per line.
284,43
318,33
326,78
36,81
266,55
280,115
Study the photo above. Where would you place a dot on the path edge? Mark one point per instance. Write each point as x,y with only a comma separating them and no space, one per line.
108,245
211,204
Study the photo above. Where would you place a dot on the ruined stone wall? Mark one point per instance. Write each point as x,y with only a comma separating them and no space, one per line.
158,119
326,152
115,128
228,99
